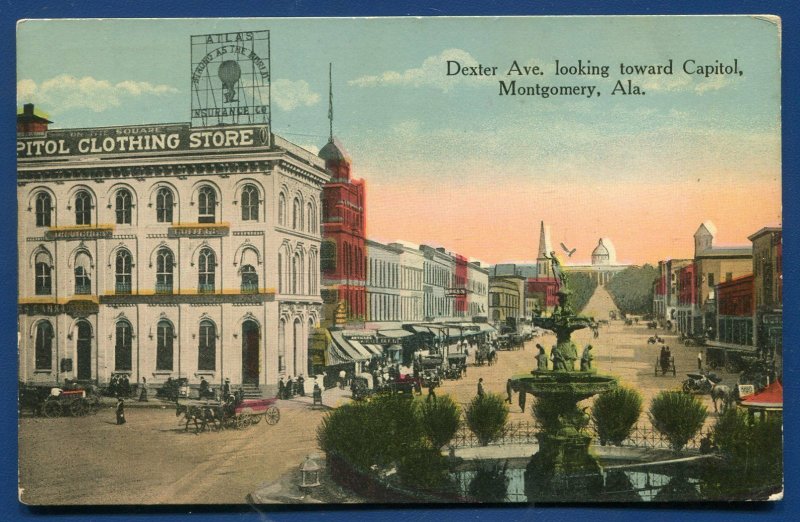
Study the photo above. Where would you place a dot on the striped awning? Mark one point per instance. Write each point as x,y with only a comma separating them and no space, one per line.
376,349
394,334
348,349
361,349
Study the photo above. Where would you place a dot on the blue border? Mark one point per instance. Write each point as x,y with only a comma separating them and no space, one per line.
16,9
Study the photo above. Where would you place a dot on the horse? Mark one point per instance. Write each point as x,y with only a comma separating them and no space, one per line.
724,393
203,414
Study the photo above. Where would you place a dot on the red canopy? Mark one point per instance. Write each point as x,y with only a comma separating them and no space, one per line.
769,397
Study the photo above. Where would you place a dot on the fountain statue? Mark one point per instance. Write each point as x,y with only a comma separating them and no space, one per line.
563,464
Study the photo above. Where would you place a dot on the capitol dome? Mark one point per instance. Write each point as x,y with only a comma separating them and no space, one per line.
604,253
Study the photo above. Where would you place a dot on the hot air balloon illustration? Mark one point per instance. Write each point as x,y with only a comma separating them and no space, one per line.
229,73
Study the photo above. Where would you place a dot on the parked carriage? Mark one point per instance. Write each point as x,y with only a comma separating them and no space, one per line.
456,365
69,402
666,366
231,415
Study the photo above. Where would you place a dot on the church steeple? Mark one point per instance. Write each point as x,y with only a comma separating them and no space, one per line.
543,263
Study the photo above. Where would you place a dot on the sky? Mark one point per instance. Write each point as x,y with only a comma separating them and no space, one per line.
447,160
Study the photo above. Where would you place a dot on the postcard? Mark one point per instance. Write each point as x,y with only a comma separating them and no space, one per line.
399,260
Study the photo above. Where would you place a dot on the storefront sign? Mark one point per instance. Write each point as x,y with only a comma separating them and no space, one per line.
77,233
197,231
139,139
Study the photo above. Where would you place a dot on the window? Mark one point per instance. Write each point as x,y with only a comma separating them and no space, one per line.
280,273
249,280
495,299
282,346
311,217
282,209
249,203
297,214
44,346
83,279
207,262
164,266
328,256
122,348
297,274
123,272
165,336
207,203
83,208
164,203
44,208
44,279
207,347
123,207
711,279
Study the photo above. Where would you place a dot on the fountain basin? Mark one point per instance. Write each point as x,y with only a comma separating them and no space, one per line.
562,384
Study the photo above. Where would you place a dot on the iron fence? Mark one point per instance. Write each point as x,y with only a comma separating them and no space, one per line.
524,432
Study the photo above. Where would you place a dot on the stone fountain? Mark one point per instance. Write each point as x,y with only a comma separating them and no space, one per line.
562,468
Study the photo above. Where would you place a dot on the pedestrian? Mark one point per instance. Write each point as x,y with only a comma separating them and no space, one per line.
301,386
431,393
113,385
281,389
317,393
509,391
700,360
203,387
126,386
289,388
143,391
342,375
480,387
120,410
522,396
226,388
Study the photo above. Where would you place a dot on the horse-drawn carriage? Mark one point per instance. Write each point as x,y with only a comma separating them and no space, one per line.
665,365
456,365
233,414
55,402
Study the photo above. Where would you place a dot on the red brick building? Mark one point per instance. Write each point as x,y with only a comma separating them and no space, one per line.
544,290
688,316
735,305
343,251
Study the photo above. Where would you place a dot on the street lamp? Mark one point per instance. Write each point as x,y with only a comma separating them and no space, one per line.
310,473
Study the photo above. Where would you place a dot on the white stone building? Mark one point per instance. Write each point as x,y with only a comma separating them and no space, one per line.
166,251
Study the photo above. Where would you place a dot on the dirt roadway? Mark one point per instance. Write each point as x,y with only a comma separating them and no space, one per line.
150,460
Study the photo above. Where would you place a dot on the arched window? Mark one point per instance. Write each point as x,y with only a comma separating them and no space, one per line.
207,347
280,273
207,205
297,214
164,203
298,338
297,274
249,280
311,217
249,203
83,278
83,208
123,207
44,278
313,271
123,272
44,346
282,346
207,264
44,209
123,360
165,335
164,266
282,209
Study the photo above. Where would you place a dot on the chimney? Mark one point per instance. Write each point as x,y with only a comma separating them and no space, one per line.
29,122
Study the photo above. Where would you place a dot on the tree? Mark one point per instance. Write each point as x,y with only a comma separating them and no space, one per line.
581,286
632,289
678,416
486,417
614,414
440,420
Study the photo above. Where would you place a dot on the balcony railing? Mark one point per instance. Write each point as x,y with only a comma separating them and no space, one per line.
83,289
163,288
249,288
122,288
205,289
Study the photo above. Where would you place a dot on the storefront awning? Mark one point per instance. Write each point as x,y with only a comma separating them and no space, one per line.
770,397
347,349
421,329
361,349
376,349
394,334
486,328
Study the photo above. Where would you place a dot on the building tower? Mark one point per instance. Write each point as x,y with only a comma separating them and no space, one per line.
343,251
704,237
543,263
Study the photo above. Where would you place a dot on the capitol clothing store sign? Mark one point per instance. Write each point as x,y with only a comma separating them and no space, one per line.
142,139
231,78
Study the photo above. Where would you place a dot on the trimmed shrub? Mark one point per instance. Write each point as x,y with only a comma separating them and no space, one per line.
440,420
486,417
753,447
614,414
424,468
678,416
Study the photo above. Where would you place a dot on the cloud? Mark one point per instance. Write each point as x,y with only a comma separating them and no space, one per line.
432,73
66,92
289,95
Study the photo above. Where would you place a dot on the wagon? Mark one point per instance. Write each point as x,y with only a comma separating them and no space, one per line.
250,411
670,368
72,402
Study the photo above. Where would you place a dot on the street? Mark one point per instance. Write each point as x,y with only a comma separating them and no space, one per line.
151,460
